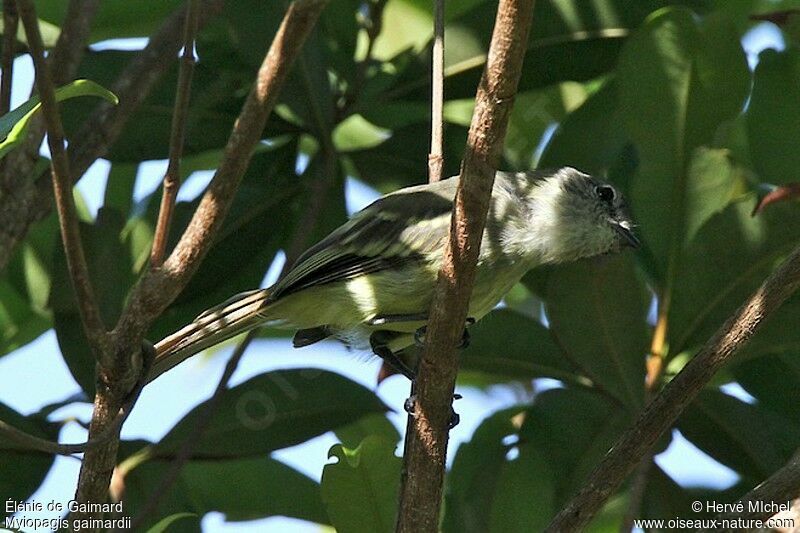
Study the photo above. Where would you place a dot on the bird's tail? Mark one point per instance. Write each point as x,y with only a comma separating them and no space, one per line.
236,315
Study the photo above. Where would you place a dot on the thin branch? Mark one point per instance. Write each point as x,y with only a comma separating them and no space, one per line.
62,187
661,413
436,156
157,288
10,23
31,200
172,180
780,488
421,493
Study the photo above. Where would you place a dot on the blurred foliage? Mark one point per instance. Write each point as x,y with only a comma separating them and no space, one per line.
655,95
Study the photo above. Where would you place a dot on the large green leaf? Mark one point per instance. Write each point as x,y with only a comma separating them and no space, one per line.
591,137
597,311
360,490
474,477
273,411
774,379
21,473
241,489
679,79
510,345
751,440
574,429
371,425
728,258
773,116
14,125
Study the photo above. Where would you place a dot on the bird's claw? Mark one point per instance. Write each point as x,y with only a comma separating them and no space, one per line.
410,405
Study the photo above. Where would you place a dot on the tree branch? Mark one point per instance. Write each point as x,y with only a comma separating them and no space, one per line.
665,408
10,23
62,187
158,287
172,180
781,487
436,156
421,493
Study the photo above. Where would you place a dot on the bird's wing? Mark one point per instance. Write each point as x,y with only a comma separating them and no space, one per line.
396,229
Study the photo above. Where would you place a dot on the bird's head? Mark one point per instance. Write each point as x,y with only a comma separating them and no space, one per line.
571,215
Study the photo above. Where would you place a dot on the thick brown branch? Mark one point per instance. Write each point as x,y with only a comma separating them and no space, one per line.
157,288
425,460
180,112
62,187
665,408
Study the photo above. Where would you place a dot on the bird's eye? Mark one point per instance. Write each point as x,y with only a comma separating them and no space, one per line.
605,193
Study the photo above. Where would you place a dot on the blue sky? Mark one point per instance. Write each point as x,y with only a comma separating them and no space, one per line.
41,377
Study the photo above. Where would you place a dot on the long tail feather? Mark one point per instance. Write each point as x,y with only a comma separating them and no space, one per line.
230,318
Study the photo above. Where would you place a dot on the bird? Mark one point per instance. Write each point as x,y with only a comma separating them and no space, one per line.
370,282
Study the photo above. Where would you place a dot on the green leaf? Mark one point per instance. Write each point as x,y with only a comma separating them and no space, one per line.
14,125
522,481
370,425
21,473
270,488
773,116
597,311
273,411
360,490
510,345
747,438
679,79
591,137
477,469
774,380
728,258
574,428
164,524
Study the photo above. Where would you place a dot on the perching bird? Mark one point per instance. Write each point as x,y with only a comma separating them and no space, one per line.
371,281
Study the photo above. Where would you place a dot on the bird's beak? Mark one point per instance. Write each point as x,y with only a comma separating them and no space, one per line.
624,230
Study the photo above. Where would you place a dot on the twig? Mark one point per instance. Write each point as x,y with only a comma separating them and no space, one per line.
780,488
33,201
158,288
421,493
373,26
436,157
10,22
172,179
665,408
62,188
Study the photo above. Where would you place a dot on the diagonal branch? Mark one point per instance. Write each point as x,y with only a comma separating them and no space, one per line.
172,180
421,494
158,287
62,186
661,413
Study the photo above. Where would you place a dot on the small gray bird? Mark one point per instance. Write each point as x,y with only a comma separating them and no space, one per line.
371,281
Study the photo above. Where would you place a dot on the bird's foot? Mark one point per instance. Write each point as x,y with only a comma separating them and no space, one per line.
410,407
419,335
